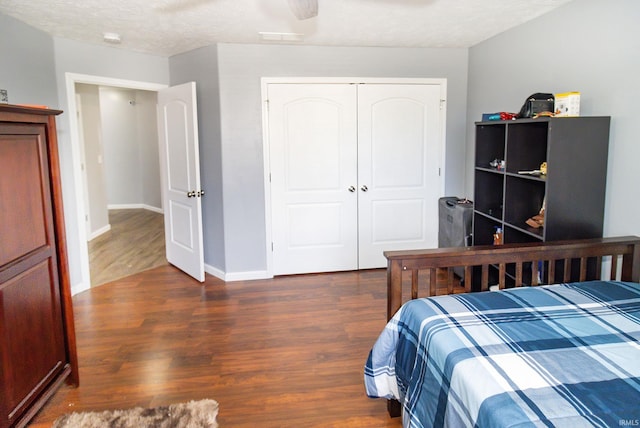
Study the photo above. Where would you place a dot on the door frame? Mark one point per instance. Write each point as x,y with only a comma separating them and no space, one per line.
76,153
266,81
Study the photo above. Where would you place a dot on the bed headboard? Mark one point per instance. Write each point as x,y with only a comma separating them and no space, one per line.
511,265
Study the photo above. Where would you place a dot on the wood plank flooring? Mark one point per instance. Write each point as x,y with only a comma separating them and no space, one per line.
134,243
286,352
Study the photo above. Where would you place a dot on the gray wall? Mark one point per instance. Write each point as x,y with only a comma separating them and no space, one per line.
147,138
27,71
240,69
590,46
201,66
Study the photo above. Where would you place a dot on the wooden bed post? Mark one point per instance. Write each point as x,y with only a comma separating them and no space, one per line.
394,287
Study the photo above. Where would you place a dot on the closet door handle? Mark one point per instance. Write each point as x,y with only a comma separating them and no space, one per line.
364,188
352,189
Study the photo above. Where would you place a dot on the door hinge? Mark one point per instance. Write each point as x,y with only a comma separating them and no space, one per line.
272,246
442,103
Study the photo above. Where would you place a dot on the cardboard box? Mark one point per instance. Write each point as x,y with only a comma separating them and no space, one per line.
567,104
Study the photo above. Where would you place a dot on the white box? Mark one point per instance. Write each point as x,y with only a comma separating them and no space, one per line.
567,104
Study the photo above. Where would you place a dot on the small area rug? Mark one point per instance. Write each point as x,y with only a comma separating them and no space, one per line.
194,414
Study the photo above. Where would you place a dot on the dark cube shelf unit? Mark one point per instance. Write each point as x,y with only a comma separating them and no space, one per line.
576,151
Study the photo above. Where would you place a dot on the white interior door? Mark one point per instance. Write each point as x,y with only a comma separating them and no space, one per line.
313,153
180,171
399,152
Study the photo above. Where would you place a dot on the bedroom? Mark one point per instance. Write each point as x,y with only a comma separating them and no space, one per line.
480,79
494,75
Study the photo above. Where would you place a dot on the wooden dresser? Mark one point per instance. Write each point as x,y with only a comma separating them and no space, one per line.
37,337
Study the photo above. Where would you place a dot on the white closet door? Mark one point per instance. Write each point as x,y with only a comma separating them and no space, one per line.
399,152
313,157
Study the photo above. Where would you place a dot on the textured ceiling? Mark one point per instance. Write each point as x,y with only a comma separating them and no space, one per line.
168,27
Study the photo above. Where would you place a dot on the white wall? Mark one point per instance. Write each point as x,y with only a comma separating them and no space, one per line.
96,191
121,152
241,68
130,135
588,46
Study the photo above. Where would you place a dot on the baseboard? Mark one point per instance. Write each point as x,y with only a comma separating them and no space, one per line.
79,288
236,276
214,271
134,207
99,232
152,208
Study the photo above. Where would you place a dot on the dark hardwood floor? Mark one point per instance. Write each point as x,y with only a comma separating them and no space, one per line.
287,352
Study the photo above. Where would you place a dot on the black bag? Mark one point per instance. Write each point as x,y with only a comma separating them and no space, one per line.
536,103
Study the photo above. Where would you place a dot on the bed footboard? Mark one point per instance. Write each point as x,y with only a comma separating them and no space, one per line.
510,265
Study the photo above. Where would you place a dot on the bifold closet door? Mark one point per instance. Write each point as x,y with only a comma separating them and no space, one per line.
313,158
399,152
354,173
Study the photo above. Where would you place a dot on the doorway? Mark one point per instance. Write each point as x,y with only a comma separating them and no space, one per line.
119,143
79,166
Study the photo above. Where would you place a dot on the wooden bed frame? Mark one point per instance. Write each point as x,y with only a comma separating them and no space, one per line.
513,264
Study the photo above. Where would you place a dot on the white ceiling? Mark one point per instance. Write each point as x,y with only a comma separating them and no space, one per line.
168,27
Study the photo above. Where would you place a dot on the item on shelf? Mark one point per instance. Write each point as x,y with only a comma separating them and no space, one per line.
536,104
498,164
567,104
537,221
531,172
502,115
544,114
541,171
498,236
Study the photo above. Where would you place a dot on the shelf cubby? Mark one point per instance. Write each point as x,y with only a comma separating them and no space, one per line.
491,185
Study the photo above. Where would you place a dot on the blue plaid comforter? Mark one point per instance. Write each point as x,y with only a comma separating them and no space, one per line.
560,355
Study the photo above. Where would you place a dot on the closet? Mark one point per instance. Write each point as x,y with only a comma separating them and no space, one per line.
354,170
37,340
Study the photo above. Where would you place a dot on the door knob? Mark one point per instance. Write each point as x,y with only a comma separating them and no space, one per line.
352,189
191,194
364,188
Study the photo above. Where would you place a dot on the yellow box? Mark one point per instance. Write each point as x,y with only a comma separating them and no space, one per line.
567,104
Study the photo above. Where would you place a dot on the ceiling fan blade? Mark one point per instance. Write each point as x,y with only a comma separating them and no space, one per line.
304,9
